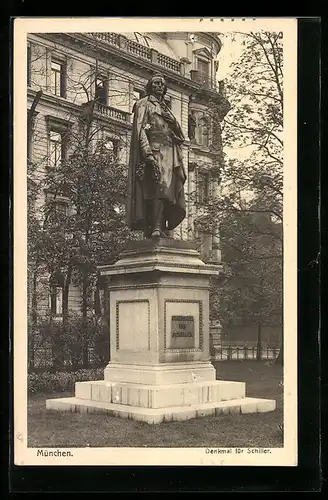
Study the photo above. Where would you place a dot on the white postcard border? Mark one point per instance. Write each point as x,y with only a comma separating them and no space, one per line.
286,456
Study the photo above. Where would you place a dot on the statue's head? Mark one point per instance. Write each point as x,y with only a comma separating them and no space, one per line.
156,86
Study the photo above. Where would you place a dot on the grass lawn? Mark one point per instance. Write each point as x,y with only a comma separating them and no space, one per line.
55,429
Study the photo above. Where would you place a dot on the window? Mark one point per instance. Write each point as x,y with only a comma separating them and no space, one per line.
57,206
61,208
28,65
142,39
56,149
203,67
203,187
56,300
101,92
59,131
111,145
202,131
58,78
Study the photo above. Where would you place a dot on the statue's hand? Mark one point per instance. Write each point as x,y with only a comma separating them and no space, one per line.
152,163
156,172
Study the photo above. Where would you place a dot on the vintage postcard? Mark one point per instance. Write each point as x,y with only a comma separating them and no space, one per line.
155,241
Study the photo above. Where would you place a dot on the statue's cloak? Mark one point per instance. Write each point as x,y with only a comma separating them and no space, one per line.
176,211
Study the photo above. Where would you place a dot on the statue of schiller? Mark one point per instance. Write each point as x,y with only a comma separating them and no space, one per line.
156,177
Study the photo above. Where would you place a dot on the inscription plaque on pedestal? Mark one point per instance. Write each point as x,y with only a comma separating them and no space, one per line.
183,332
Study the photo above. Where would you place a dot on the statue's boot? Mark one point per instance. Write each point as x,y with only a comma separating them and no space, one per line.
157,219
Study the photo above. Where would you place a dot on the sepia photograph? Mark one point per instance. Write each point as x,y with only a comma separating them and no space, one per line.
155,241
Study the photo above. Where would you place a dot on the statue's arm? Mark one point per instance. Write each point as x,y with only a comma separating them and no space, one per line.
145,149
178,130
175,126
146,152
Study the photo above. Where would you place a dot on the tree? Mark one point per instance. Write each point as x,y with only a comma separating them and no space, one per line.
251,182
252,130
252,293
67,243
34,231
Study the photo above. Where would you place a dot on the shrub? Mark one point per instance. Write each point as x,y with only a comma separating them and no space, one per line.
47,382
77,343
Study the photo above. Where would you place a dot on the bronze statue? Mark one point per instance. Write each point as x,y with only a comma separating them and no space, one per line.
156,176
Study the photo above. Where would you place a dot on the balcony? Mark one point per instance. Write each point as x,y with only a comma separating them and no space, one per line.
113,113
168,63
139,50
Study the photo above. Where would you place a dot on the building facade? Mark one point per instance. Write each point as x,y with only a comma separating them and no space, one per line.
69,72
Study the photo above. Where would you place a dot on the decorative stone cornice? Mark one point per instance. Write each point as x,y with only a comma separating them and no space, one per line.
165,255
54,101
115,116
58,123
121,55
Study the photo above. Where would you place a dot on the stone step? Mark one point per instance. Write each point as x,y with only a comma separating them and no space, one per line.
160,396
167,414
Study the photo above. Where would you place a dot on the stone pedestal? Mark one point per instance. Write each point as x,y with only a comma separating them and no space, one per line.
159,323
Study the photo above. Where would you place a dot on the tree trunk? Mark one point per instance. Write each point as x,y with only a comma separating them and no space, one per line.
97,300
85,358
66,286
60,333
259,343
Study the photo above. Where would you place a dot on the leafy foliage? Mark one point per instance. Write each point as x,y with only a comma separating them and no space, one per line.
253,129
247,214
57,345
252,293
93,231
47,382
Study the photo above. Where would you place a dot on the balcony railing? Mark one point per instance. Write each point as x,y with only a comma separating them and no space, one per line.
168,63
112,38
137,49
113,113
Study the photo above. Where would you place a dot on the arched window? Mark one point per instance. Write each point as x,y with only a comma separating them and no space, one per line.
142,39
204,187
139,37
55,148
203,131
203,67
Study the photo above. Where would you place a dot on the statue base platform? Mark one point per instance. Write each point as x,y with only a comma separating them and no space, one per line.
159,315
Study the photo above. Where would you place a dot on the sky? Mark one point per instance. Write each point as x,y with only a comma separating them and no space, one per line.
230,52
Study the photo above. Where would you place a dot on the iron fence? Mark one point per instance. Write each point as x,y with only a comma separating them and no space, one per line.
229,353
